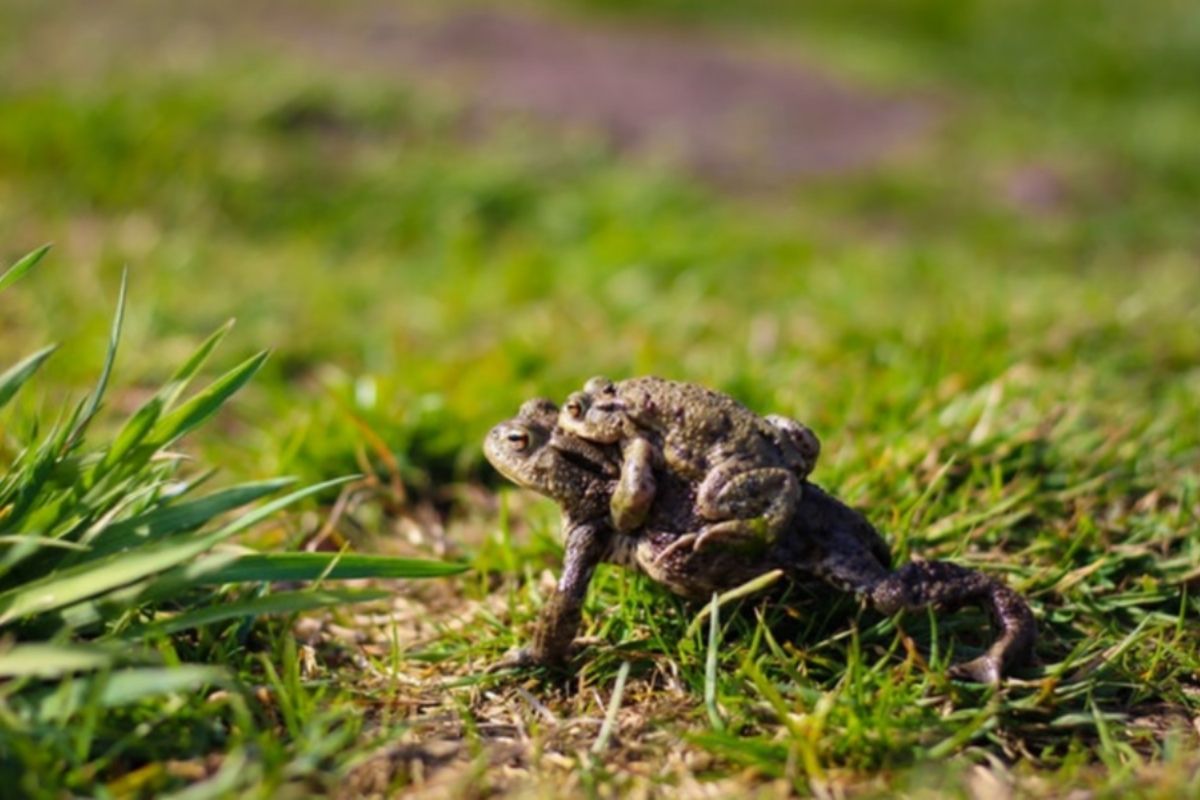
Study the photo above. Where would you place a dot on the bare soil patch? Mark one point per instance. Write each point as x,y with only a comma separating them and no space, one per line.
720,108
723,111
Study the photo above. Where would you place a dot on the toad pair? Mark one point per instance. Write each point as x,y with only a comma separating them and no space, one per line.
702,495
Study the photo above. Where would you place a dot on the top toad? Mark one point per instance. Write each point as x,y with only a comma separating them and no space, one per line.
749,469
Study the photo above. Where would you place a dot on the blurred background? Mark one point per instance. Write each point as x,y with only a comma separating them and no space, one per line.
911,224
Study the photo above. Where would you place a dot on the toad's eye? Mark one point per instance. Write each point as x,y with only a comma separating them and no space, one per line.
519,440
574,408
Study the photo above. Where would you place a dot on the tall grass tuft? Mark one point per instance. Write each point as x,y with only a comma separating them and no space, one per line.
106,548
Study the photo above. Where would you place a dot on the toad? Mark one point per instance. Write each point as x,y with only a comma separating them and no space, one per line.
748,470
822,539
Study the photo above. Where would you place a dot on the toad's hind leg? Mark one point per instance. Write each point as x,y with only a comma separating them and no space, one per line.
746,506
837,544
945,587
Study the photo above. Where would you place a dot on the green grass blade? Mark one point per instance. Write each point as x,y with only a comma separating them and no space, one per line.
132,433
125,687
180,518
258,515
23,265
114,339
69,586
332,566
710,665
748,588
164,586
14,377
50,660
281,603
206,402
29,489
170,393
32,540
98,576
610,716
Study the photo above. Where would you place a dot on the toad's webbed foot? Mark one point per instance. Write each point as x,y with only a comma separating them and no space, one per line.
517,658
525,658
944,587
749,537
987,668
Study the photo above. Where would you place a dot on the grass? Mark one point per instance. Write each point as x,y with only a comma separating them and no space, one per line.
107,555
1012,388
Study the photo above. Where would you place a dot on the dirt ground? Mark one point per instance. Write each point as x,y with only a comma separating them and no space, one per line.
724,109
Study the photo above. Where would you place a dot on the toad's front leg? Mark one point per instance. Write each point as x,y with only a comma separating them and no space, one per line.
586,546
637,486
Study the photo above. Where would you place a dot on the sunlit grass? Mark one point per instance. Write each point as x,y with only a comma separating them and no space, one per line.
1014,390
107,555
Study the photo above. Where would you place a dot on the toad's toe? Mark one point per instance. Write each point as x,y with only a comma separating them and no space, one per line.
985,669
517,658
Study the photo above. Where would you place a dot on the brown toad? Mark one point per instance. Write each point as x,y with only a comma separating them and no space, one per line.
747,469
824,540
